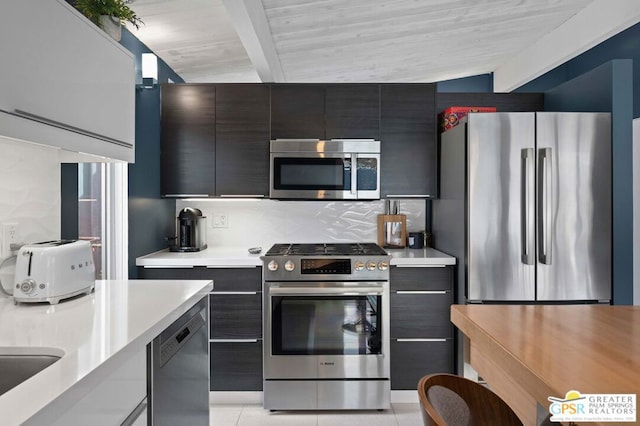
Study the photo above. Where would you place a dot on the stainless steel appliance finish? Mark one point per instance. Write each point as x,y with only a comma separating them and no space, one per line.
326,327
538,210
179,371
336,169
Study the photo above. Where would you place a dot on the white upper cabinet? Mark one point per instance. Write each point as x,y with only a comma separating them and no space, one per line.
64,82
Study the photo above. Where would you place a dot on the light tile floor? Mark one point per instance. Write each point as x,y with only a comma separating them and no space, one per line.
400,414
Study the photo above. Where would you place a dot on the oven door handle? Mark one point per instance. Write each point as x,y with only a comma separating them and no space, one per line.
326,291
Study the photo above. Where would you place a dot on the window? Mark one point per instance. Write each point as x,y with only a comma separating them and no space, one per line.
102,216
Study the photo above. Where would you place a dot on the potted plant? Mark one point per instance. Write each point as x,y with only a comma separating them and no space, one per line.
109,15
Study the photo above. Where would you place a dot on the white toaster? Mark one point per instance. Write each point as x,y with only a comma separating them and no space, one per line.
53,270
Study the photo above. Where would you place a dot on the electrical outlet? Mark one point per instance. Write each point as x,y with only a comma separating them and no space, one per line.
9,236
220,220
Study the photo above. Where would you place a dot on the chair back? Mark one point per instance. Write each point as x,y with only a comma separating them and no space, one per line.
450,400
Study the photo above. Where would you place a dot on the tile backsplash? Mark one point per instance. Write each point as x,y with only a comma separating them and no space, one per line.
30,189
265,222
29,193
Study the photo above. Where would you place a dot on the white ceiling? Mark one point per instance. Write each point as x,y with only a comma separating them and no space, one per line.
344,40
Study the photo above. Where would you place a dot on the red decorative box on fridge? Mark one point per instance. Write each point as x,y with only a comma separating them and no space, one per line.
451,116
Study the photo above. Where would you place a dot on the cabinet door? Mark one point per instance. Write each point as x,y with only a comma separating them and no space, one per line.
242,139
62,68
421,315
236,366
408,148
187,153
412,360
352,111
224,279
297,111
436,278
235,316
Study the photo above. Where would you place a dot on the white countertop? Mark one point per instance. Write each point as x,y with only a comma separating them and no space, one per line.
212,256
420,257
92,331
240,257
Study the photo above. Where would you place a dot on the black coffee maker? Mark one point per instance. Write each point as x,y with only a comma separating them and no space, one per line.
190,231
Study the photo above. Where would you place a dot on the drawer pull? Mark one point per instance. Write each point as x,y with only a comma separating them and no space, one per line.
234,292
422,292
232,266
233,340
435,265
408,196
185,195
422,340
242,196
168,266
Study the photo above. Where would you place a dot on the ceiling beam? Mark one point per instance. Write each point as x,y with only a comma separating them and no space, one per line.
250,21
597,22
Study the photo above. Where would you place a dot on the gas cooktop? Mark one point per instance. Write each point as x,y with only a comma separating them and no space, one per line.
331,249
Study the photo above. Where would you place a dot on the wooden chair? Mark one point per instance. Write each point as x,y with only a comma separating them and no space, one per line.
449,400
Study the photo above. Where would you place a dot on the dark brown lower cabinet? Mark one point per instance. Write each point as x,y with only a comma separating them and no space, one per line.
236,366
235,316
410,360
421,330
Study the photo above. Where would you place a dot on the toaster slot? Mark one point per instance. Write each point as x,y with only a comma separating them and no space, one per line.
29,267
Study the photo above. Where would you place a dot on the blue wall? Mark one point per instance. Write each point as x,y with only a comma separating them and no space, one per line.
476,83
151,217
625,45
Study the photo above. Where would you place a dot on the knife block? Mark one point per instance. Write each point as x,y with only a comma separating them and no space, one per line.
392,230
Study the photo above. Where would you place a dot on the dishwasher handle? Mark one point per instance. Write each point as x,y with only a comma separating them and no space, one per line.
169,347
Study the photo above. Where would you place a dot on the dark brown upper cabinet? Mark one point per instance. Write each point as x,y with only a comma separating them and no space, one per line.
297,111
408,151
187,152
242,140
352,111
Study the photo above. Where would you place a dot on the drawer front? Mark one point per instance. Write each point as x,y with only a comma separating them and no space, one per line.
235,316
440,278
420,315
224,279
236,366
412,360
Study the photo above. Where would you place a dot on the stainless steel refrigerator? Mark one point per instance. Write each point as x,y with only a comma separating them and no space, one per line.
525,206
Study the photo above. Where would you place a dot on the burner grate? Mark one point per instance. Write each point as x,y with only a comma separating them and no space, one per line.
330,249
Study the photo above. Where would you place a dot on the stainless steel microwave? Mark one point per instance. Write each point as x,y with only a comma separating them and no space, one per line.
336,169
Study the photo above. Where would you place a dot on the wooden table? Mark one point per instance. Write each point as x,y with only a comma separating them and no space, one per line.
527,353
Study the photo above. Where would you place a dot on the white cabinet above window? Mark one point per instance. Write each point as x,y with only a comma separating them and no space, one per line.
64,82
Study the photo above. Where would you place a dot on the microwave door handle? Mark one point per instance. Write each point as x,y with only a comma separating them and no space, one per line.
354,174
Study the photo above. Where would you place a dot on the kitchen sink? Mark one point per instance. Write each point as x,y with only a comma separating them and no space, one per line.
18,364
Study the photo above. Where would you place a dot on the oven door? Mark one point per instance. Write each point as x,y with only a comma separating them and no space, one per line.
337,176
322,330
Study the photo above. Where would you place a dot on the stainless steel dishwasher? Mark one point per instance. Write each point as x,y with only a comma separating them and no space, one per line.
178,391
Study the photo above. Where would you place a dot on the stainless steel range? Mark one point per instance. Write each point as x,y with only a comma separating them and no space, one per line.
326,327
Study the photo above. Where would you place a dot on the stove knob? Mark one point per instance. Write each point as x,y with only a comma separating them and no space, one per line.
27,286
383,265
371,265
289,266
273,266
359,266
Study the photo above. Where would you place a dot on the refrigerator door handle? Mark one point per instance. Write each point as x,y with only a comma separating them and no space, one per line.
527,223
544,205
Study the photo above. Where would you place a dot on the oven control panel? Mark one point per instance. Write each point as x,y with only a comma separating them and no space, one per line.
325,266
291,268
